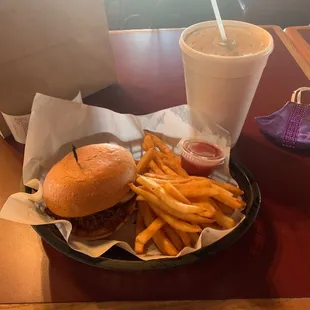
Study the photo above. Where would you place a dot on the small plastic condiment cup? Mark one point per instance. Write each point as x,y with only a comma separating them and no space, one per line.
199,157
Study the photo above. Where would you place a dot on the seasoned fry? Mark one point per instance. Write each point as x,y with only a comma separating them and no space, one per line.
140,198
222,191
158,191
161,155
155,168
194,238
190,191
162,146
224,220
184,237
170,189
163,167
173,236
211,225
225,209
160,239
231,188
163,177
175,166
209,209
150,231
174,222
145,160
148,142
172,181
192,218
139,228
232,202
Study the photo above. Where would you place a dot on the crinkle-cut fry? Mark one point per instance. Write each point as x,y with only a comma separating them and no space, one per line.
184,237
158,191
164,167
173,236
155,168
162,146
229,187
150,231
160,239
171,190
162,176
139,228
173,221
175,166
192,218
145,160
194,238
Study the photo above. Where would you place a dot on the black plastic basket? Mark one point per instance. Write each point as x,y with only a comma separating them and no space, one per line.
118,259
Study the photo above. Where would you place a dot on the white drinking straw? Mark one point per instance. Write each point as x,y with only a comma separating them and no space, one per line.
219,20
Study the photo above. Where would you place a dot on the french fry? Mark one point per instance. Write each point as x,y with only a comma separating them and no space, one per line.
192,218
184,237
172,181
173,236
140,198
225,209
144,236
224,220
231,202
155,168
145,160
211,225
162,146
194,238
189,191
160,239
170,189
163,167
162,176
158,191
161,155
231,188
175,166
174,222
139,228
148,142
209,209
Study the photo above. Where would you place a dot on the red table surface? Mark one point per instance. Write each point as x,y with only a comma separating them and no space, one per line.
271,260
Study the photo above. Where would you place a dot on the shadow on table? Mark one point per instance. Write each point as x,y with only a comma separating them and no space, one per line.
241,271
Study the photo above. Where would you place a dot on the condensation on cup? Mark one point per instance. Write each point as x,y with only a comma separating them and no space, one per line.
220,79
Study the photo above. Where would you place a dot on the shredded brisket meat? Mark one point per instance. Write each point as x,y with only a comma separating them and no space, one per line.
108,219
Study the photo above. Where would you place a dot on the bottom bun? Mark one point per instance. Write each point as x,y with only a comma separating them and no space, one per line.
101,224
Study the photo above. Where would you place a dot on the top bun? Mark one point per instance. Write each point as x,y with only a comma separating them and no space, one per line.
97,182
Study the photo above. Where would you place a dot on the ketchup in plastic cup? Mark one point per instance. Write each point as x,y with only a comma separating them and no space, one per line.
199,157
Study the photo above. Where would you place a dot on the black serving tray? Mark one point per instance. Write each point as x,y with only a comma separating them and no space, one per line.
118,259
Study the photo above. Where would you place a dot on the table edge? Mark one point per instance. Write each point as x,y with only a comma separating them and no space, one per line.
252,304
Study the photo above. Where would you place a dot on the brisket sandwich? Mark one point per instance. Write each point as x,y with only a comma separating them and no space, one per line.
90,189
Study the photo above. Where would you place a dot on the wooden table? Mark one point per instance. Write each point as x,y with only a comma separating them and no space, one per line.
271,260
300,37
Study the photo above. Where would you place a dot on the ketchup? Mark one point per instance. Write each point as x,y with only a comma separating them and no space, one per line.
199,157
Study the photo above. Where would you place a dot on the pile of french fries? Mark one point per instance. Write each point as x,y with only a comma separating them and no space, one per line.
173,207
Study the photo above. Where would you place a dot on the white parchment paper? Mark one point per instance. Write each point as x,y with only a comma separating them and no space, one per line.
55,124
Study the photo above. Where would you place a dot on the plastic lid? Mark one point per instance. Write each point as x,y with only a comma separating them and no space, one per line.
201,152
